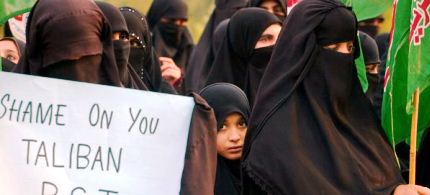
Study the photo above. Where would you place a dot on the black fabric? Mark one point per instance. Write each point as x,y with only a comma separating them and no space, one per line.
369,48
373,83
6,65
197,76
170,40
312,130
74,31
6,30
128,76
231,63
423,161
225,99
369,29
201,57
382,41
112,13
257,3
142,56
227,177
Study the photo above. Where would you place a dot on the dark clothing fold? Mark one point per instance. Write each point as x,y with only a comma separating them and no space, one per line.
199,62
199,172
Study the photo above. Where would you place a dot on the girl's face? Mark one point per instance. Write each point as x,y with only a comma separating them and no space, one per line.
231,136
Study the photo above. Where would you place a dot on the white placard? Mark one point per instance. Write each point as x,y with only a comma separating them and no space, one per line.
64,137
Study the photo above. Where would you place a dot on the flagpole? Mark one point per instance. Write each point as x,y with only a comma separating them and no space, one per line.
414,127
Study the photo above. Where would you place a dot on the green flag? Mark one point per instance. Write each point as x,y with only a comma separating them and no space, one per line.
365,9
408,68
11,8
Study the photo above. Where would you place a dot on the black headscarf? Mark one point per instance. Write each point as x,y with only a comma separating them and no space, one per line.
257,3
8,65
71,40
225,99
423,161
235,61
198,67
128,76
170,40
371,56
312,130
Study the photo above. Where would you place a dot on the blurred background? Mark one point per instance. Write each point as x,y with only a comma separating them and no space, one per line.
199,11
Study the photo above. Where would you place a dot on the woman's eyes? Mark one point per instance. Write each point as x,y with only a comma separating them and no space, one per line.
123,36
242,124
265,38
11,58
351,48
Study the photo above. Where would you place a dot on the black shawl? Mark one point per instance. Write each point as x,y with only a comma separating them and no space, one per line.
198,66
226,98
181,51
69,39
231,63
312,130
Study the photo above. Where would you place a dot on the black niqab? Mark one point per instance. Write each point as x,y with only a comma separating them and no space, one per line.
128,76
199,64
170,40
69,39
225,99
231,63
312,130
142,56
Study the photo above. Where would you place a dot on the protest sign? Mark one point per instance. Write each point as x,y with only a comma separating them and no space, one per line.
66,137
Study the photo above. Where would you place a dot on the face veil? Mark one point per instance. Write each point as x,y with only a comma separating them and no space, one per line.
312,129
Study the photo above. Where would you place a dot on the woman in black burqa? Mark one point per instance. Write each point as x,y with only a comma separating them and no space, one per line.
232,113
170,35
71,40
121,44
195,77
142,55
238,61
312,130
